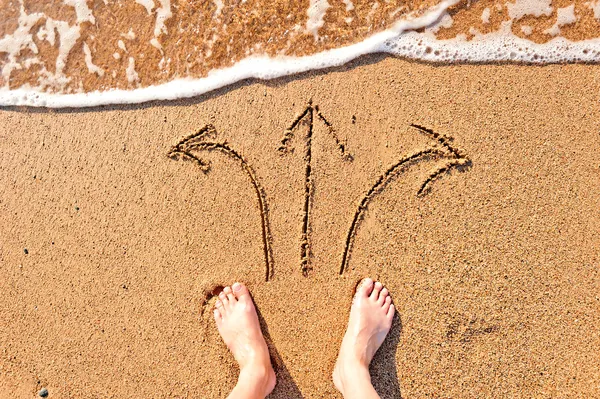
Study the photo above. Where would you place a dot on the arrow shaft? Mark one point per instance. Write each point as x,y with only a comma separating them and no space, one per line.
308,186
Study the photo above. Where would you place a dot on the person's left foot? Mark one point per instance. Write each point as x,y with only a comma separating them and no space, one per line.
238,325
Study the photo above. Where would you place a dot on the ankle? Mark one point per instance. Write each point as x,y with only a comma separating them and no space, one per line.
352,375
257,377
356,372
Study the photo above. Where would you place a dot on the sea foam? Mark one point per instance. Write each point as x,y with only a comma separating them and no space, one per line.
401,39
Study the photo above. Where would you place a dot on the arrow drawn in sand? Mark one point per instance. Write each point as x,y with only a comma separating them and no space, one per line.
308,116
186,149
442,149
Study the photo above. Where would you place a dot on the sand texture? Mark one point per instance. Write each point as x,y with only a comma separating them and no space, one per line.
116,224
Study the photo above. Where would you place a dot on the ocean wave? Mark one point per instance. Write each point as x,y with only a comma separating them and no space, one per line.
62,60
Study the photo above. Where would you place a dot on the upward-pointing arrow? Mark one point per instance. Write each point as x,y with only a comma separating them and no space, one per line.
286,147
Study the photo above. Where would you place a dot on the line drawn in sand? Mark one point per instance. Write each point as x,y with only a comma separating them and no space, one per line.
308,116
198,142
442,149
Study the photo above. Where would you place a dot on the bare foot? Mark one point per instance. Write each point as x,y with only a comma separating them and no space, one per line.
238,325
370,320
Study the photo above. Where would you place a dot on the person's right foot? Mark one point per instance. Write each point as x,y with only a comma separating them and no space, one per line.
237,322
370,320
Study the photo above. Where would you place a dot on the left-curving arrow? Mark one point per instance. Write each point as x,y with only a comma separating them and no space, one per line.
199,142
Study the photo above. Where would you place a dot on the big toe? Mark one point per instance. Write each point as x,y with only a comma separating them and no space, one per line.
240,291
365,288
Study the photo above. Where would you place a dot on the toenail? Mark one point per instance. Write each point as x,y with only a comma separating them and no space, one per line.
236,287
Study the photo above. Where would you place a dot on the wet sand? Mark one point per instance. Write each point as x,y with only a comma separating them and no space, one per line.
110,247
53,47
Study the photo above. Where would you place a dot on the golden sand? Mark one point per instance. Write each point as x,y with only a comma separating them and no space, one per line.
110,247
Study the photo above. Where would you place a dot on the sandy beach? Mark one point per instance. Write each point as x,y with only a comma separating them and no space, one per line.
111,243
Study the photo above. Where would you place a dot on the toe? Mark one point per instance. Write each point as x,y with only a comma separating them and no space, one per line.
217,315
229,293
390,312
240,291
386,304
382,295
219,305
223,298
365,288
376,290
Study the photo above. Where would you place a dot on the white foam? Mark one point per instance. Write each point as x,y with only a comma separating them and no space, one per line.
92,68
371,13
163,13
445,21
148,4
564,16
521,8
47,32
596,8
485,16
83,12
219,7
129,35
502,45
316,12
130,72
526,29
349,5
19,40
155,43
400,40
68,37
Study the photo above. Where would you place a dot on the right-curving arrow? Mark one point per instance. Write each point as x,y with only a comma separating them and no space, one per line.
442,149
